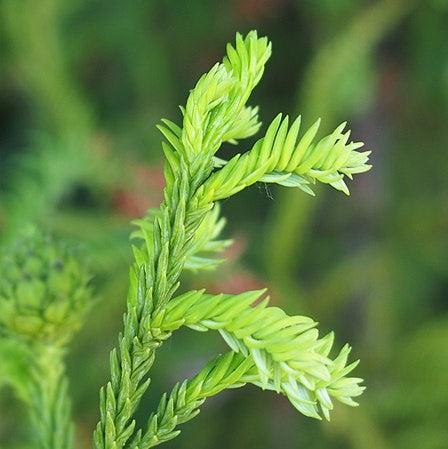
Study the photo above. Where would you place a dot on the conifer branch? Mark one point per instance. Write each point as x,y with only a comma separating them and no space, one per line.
269,348
280,157
289,355
230,370
212,109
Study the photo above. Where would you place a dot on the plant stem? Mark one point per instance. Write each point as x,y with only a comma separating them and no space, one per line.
131,361
50,404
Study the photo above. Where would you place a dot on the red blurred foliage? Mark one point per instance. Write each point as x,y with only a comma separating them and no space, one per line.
233,278
238,247
391,87
256,10
236,282
145,192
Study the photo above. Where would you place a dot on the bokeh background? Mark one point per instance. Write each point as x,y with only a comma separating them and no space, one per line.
82,85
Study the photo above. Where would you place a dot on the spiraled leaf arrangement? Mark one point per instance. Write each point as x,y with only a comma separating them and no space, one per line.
44,289
268,348
44,296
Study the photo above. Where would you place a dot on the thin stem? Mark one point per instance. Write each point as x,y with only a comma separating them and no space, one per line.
50,404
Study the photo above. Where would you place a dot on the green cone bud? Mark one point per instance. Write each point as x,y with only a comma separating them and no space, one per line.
44,289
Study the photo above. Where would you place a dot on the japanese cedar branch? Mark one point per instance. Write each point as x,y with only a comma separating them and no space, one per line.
267,347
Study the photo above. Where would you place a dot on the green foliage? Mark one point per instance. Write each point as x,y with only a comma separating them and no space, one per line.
409,400
81,85
285,350
269,348
45,175
44,291
14,369
281,159
328,86
44,296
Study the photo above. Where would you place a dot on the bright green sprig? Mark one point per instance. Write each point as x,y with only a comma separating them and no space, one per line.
230,370
283,158
213,108
206,242
289,355
218,101
269,348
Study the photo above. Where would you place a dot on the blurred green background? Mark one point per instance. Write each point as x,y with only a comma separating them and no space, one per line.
82,85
